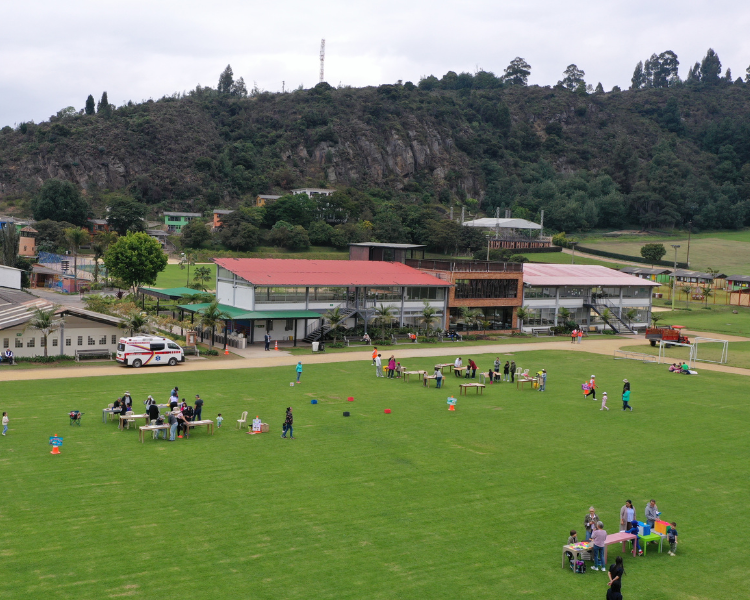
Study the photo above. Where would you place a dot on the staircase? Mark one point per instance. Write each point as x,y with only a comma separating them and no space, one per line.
319,332
623,324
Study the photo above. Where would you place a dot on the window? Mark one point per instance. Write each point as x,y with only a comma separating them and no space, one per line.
54,342
42,342
68,341
156,347
380,294
173,346
425,293
80,340
103,340
327,294
31,343
19,342
486,288
91,341
538,292
289,325
500,317
279,294
540,316
570,292
114,339
6,342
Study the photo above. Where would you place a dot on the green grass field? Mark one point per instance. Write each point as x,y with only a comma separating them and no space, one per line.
727,253
739,353
420,503
173,276
718,319
563,258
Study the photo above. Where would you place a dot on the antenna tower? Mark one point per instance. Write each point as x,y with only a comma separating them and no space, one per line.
322,57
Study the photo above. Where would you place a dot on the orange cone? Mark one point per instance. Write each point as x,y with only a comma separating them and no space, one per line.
55,450
276,345
226,351
451,407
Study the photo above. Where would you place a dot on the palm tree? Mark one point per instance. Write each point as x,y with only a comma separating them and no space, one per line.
102,241
429,315
472,317
136,322
201,276
9,240
522,313
211,316
632,314
563,314
382,315
687,290
335,318
707,293
606,317
44,320
75,237
656,317
197,298
188,258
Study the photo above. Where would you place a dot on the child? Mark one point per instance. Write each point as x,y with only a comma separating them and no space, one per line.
634,530
604,402
5,423
219,420
671,534
543,380
298,369
573,539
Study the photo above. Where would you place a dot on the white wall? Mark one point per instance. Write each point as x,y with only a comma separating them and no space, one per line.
10,277
75,327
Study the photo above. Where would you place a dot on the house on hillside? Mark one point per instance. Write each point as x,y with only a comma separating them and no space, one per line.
696,278
513,234
27,241
313,191
588,292
218,214
738,282
175,221
265,200
287,298
658,275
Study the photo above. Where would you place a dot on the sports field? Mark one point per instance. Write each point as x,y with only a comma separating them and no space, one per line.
422,503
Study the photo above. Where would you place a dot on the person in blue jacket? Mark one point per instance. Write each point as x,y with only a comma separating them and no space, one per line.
299,370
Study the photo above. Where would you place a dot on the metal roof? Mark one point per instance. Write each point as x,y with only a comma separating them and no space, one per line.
16,307
644,271
384,245
333,273
697,274
579,275
738,278
223,211
170,293
244,314
492,223
182,214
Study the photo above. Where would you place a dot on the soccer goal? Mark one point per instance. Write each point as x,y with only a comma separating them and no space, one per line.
709,350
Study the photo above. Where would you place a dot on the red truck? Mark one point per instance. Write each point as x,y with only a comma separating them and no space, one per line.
670,333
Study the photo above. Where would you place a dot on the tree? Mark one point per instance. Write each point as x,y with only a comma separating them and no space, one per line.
211,316
135,322
638,80
76,237
522,313
102,106
653,253
599,88
297,239
382,316
606,318
334,318
710,68
201,276
44,320
194,234
564,314
573,77
747,75
687,290
239,89
60,201
126,214
50,235
136,259
428,316
656,317
187,259
517,72
9,239
320,233
226,81
102,241
242,236
90,105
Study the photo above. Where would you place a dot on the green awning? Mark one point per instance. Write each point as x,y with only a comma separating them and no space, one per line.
237,314
170,293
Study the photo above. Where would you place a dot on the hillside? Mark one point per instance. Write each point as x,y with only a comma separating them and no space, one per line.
653,158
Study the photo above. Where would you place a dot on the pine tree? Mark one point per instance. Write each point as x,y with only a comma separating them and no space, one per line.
103,105
599,88
226,81
710,68
728,75
637,81
747,77
694,74
90,105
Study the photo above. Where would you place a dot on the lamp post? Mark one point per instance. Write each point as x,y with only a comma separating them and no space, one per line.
674,273
573,256
690,230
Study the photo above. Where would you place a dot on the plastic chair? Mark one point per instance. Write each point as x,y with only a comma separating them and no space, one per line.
242,421
129,420
110,415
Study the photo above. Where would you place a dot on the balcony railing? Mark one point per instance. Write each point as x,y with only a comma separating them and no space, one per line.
473,266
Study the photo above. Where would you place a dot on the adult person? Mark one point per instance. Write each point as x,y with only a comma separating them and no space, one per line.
267,341
438,374
580,335
506,371
149,401
9,356
173,424
288,423
652,513
182,422
153,412
298,370
198,411
473,367
159,421
456,364
627,514
599,537
616,571
127,399
496,368
625,400
188,413
590,521
366,339
173,401
513,371
391,366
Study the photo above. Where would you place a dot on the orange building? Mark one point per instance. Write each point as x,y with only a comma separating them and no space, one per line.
27,241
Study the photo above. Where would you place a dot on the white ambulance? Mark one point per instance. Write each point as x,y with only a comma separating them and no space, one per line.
148,350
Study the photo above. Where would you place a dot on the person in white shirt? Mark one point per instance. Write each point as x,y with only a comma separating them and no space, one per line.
378,367
458,363
5,423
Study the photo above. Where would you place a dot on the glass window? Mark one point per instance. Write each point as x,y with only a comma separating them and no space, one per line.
91,341
570,292
327,294
6,342
539,292
114,340
173,346
156,347
103,340
279,294
54,342
289,325
486,288
498,318
540,317
68,341
380,294
42,342
80,340
225,274
31,343
425,293
19,342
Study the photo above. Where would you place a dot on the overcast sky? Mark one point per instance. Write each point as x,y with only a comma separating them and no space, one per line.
53,54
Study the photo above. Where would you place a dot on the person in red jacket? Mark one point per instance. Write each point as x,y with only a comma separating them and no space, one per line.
473,367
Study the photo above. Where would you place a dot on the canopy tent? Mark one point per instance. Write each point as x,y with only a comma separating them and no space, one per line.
169,293
492,223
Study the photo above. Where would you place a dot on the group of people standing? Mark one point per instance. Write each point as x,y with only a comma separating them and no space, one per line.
590,387
392,367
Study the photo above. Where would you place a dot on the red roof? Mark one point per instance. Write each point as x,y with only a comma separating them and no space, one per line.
579,275
334,273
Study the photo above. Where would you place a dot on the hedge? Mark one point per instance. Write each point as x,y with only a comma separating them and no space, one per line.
638,259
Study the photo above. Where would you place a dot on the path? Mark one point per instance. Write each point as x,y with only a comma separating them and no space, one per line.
593,346
605,259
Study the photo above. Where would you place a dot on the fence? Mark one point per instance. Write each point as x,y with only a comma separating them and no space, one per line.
627,354
65,264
